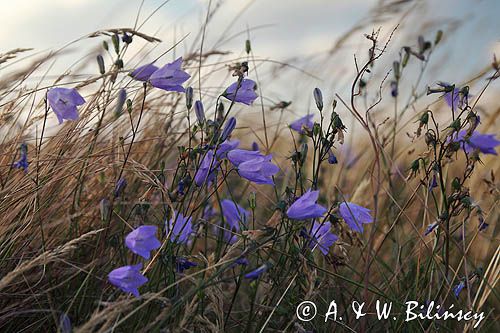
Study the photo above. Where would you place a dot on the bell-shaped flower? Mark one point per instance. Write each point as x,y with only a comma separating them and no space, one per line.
128,278
64,102
322,237
238,156
304,122
170,77
259,170
144,72
143,240
234,215
306,207
355,216
485,143
206,171
180,228
245,93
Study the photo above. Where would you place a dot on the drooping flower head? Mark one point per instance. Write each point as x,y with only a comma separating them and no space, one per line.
181,264
304,122
322,237
64,102
245,93
206,171
485,143
259,170
128,278
170,77
22,163
144,72
255,274
234,215
355,216
180,228
306,207
143,240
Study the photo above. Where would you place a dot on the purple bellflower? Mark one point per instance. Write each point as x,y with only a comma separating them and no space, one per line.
306,207
355,216
228,129
64,102
305,121
206,171
128,278
332,159
22,163
170,77
452,98
226,147
233,214
181,264
244,94
65,323
255,274
238,156
259,170
458,288
431,228
485,143
143,240
180,228
144,72
322,237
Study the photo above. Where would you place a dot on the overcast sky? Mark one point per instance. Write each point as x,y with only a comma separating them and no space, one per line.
294,31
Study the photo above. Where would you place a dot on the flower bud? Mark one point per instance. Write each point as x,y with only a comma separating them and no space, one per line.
248,46
318,97
116,43
199,111
189,97
129,106
100,63
105,45
455,184
228,129
122,96
252,200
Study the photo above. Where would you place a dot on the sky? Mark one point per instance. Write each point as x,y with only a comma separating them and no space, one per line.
295,32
